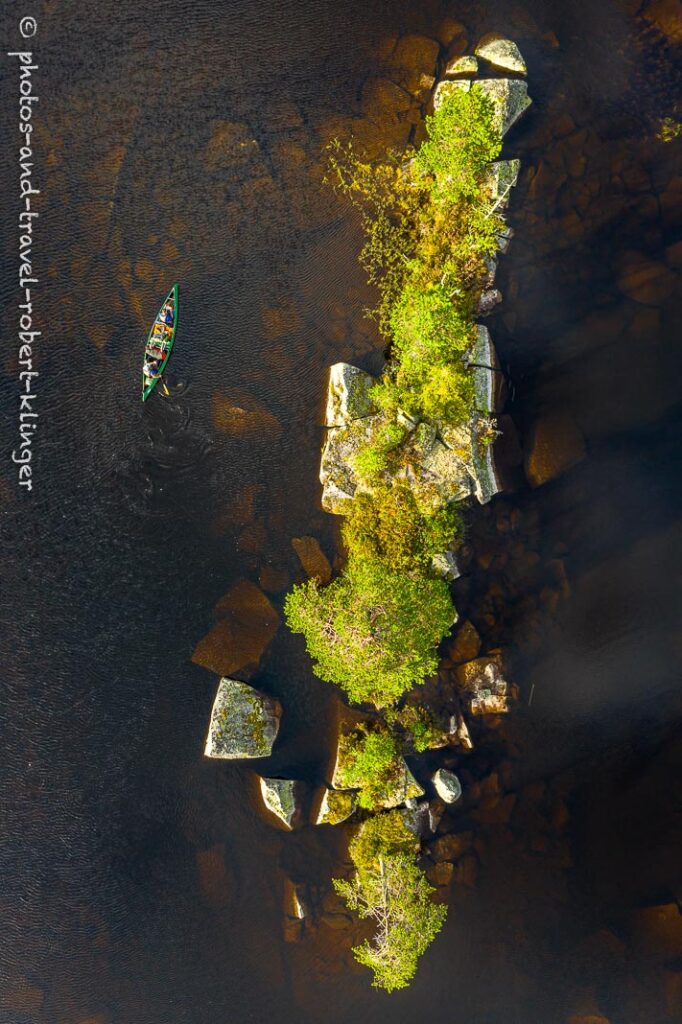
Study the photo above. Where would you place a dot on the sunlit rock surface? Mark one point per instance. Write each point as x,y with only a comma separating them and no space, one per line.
337,476
503,54
244,722
510,99
347,394
280,798
461,66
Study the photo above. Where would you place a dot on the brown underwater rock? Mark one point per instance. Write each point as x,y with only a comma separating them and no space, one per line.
313,559
247,623
238,413
556,444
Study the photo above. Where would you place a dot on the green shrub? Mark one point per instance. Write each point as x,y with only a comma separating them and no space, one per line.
430,338
390,889
372,763
462,141
388,525
372,631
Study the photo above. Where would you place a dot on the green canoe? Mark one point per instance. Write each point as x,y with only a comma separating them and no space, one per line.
160,341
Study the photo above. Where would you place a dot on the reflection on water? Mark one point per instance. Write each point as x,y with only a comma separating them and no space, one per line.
139,882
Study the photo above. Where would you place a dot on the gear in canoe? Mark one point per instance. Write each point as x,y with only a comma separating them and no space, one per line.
160,342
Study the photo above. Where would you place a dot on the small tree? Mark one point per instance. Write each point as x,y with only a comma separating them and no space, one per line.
389,888
372,631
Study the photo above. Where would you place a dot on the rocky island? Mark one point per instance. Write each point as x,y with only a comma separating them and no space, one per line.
405,456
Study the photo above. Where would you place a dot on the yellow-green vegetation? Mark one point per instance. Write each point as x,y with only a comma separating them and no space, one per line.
372,763
389,888
388,526
669,129
431,221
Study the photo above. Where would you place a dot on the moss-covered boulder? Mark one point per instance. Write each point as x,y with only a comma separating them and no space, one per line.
244,722
337,476
447,87
503,54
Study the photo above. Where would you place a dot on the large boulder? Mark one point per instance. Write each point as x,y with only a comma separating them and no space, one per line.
347,394
488,379
244,722
484,686
503,54
282,798
510,99
405,786
247,623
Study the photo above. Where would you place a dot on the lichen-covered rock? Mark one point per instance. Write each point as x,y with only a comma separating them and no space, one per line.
347,394
487,482
280,797
485,688
486,366
436,473
466,66
488,301
416,819
447,785
337,476
336,806
502,53
510,99
447,87
313,559
445,564
244,722
406,788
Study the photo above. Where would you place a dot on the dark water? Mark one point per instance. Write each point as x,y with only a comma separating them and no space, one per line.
139,883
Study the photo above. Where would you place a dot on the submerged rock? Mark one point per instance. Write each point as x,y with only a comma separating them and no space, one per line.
243,416
556,443
510,99
313,559
502,53
248,622
447,785
336,806
347,394
486,689
280,797
244,722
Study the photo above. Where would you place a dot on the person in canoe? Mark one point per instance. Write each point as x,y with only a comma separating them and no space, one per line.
151,369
